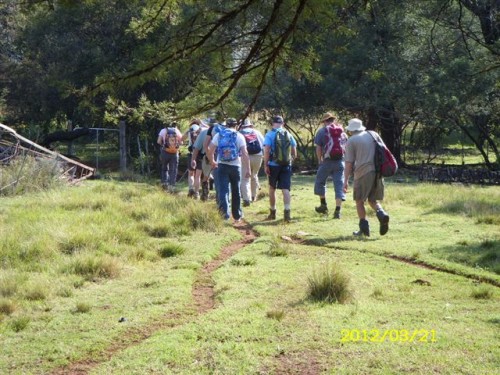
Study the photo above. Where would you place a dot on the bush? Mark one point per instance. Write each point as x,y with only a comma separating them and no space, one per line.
482,293
20,323
170,250
91,267
330,285
7,307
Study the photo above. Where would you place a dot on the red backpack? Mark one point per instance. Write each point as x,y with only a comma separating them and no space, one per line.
335,142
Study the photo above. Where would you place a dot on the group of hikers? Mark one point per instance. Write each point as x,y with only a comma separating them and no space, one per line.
230,154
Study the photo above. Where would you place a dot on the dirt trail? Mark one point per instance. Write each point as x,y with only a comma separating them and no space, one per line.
204,301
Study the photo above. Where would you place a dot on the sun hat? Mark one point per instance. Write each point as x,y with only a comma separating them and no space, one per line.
246,123
355,125
327,116
194,128
231,122
277,120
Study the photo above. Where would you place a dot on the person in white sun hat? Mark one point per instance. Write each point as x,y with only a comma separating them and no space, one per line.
359,158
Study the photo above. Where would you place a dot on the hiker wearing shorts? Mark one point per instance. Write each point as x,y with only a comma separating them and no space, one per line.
359,158
330,143
199,160
194,173
278,165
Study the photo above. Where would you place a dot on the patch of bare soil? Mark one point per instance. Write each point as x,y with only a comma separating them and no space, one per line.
304,363
204,301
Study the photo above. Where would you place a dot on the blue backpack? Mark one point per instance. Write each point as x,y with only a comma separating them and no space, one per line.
227,149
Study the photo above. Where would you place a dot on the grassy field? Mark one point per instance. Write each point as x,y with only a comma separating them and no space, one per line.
99,278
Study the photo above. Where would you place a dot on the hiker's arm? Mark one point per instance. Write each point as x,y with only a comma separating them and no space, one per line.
267,153
210,155
347,174
206,142
293,152
319,154
160,140
194,155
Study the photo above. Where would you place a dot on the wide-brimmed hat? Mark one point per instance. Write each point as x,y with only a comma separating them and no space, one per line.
277,120
355,125
246,123
327,116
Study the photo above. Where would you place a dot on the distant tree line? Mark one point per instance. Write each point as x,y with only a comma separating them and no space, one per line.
414,70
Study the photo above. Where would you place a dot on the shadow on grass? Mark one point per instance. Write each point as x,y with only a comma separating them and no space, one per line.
484,254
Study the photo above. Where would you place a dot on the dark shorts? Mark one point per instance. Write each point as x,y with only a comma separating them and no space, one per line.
280,177
198,162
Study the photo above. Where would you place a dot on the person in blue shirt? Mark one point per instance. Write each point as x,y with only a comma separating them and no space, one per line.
278,158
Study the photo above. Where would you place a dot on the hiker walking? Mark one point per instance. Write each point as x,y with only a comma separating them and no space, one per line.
254,140
280,148
194,173
230,144
200,160
170,139
330,143
359,158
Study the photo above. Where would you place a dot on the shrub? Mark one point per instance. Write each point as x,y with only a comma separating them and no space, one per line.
36,292
91,267
276,314
482,293
8,285
330,285
19,324
277,248
170,250
7,306
82,308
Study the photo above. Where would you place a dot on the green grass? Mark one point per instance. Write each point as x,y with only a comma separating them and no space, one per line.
264,320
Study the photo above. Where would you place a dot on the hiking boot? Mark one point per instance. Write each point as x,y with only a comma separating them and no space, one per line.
196,196
204,190
190,193
322,209
246,203
364,228
383,219
287,218
272,215
336,214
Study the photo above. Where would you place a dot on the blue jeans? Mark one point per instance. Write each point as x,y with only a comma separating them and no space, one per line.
229,177
169,167
335,170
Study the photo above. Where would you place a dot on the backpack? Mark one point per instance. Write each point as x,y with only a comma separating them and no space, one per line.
253,144
385,162
171,142
282,148
335,142
227,149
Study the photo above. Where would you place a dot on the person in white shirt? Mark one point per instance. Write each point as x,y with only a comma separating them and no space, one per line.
231,154
255,140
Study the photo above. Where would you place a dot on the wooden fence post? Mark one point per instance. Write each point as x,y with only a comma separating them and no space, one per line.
123,147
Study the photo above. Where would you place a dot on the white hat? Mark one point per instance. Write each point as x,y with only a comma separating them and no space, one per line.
194,128
355,125
246,123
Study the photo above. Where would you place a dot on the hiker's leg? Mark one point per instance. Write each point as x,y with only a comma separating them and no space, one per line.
338,185
234,178
173,165
222,190
255,164
245,184
197,180
164,167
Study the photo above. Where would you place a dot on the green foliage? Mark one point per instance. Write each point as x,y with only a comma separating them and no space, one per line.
330,284
170,250
20,323
27,174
